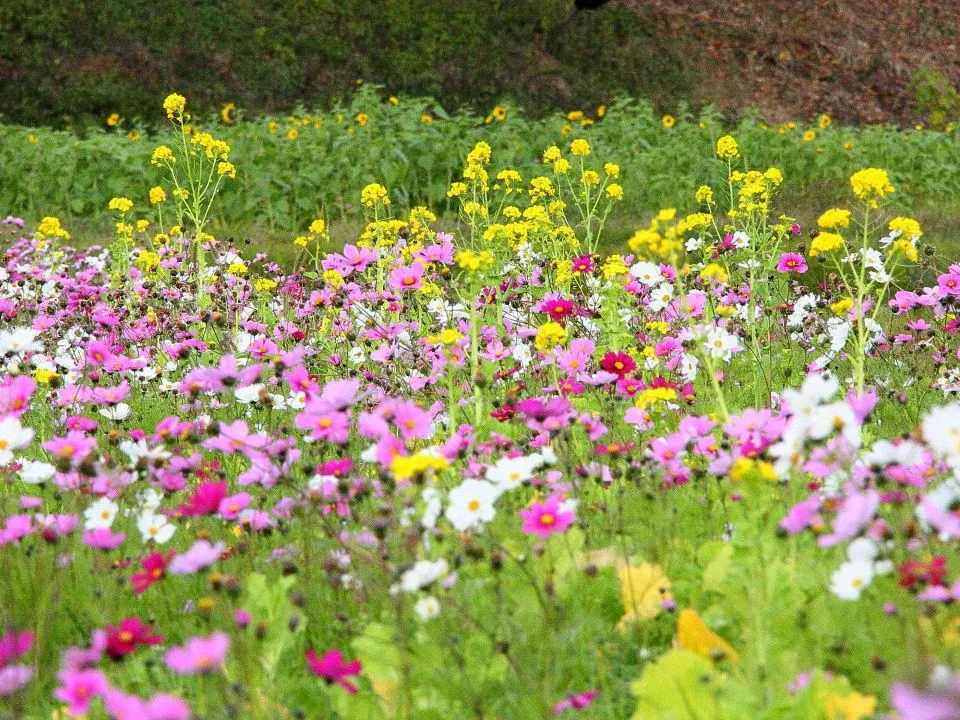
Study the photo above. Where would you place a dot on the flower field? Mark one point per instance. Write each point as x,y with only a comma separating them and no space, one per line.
488,458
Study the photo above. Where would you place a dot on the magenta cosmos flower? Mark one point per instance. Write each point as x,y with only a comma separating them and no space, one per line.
333,668
792,263
546,518
579,701
198,655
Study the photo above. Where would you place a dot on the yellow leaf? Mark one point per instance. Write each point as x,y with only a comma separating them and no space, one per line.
644,588
694,635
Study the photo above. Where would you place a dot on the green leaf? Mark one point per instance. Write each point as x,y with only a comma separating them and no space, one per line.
680,686
718,558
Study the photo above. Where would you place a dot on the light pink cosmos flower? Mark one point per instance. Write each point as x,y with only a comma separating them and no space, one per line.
200,555
78,688
198,655
857,511
407,277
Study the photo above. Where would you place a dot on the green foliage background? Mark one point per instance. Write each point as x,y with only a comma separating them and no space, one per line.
67,62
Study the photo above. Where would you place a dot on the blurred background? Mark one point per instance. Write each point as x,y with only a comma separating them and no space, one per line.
71,62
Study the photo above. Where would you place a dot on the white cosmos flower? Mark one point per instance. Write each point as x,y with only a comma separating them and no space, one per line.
850,580
941,430
34,472
431,513
427,608
13,436
422,574
647,273
660,297
835,416
117,412
508,473
248,394
155,527
18,341
720,344
101,514
471,504
356,355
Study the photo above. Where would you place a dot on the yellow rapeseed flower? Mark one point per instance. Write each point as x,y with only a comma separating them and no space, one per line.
870,184
550,335
727,147
374,194
121,204
834,218
825,242
157,195
908,227
580,147
174,105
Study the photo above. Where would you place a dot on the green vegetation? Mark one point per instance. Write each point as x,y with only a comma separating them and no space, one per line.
293,169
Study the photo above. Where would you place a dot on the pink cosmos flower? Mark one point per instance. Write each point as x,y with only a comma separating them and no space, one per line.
545,519
857,510
792,263
200,555
198,655
205,499
154,569
13,677
333,668
325,425
236,437
941,703
407,278
73,448
103,538
78,688
802,515
15,394
231,507
412,421
13,645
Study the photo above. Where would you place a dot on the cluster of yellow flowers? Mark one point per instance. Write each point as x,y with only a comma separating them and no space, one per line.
374,194
473,261
549,335
157,195
871,184
175,104
120,204
664,235
162,155
50,228
422,462
825,242
316,233
215,149
834,218
727,148
754,189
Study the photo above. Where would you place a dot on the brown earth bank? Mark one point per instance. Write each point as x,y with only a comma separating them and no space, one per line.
854,59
